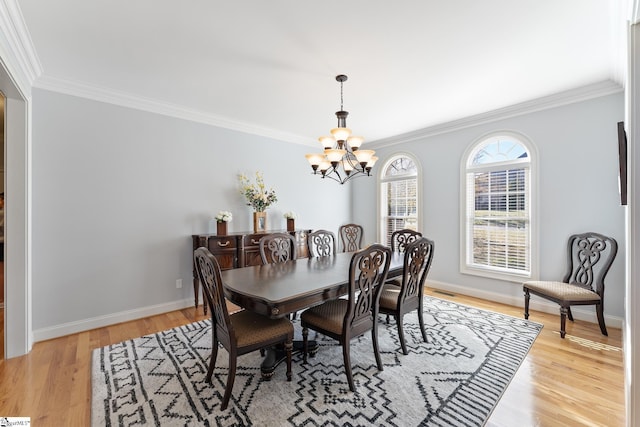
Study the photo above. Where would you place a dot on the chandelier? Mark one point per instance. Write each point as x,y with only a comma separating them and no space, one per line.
342,158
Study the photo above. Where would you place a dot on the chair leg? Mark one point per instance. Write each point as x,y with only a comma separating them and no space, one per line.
305,343
600,313
288,346
527,297
387,319
212,362
421,320
376,349
401,334
347,365
563,321
569,314
230,380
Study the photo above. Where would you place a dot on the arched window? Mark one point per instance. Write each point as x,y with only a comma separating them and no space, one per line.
497,214
399,196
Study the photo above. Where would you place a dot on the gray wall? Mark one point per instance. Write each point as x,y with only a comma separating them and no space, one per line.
578,191
118,192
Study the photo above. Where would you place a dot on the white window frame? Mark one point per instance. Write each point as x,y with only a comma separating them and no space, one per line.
382,179
466,240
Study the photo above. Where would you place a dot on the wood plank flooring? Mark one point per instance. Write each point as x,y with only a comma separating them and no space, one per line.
577,381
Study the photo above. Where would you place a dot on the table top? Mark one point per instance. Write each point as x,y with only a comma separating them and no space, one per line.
278,289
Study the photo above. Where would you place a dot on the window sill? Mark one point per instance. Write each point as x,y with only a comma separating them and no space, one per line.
496,274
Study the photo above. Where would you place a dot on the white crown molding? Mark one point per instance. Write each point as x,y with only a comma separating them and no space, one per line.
124,99
17,53
596,90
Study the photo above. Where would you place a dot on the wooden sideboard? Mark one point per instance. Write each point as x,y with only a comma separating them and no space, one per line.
240,249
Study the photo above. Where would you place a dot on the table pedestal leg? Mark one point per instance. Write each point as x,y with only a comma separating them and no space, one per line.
275,355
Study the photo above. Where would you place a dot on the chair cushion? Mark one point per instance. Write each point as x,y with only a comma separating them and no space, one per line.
389,297
252,328
328,316
394,282
562,291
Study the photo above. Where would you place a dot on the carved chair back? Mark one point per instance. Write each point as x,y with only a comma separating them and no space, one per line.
367,273
590,256
209,274
277,248
401,238
321,243
351,236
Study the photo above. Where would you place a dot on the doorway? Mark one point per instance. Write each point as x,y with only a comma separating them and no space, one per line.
17,212
2,180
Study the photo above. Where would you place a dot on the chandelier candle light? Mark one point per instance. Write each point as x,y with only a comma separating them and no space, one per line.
342,158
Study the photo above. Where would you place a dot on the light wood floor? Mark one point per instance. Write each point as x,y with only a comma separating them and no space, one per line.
577,381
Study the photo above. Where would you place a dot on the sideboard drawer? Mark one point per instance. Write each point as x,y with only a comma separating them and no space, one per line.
251,249
253,239
217,243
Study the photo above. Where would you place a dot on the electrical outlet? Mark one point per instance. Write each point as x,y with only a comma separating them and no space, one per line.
179,284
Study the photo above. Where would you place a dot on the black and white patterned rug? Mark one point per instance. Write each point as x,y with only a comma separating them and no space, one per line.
455,379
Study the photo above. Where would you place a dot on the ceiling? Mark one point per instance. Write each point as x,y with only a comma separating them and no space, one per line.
269,67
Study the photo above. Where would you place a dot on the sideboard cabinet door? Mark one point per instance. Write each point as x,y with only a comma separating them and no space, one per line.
225,249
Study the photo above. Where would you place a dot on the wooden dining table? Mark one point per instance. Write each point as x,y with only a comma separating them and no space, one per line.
276,290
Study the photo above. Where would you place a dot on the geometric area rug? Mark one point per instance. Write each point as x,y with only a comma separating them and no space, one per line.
455,379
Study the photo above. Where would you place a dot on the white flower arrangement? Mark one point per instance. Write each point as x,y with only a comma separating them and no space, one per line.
224,216
290,215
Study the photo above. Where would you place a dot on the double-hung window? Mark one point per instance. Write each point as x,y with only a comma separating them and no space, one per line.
399,196
497,208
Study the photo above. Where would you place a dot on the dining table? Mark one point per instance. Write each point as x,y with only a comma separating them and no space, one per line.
277,290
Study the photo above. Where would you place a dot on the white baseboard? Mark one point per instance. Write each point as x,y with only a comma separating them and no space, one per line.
125,316
537,304
107,320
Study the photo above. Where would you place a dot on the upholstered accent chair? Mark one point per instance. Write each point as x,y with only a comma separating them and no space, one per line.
345,318
589,257
321,243
351,237
398,301
241,332
276,248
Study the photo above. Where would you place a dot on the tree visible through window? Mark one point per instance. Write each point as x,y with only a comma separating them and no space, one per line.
399,196
498,206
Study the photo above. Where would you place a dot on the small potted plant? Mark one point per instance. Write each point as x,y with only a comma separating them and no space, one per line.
291,220
222,219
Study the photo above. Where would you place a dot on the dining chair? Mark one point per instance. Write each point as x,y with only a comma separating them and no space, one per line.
346,318
589,257
398,301
321,243
399,241
241,332
351,237
276,248
401,238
